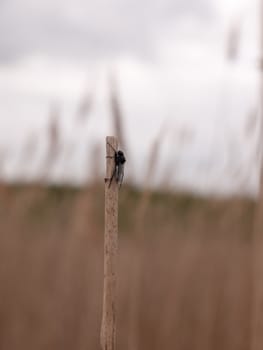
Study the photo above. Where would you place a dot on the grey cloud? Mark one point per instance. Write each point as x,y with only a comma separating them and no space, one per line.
90,29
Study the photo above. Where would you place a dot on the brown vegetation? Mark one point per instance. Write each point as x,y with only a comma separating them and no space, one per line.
184,283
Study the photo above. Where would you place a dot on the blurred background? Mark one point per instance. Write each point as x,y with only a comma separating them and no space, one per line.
179,83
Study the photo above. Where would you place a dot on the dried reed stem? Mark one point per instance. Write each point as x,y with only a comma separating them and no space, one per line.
117,116
108,327
150,171
233,41
54,144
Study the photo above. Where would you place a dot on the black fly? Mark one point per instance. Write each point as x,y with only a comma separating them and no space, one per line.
118,171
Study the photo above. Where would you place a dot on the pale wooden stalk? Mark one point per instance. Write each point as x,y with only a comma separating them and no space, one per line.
108,327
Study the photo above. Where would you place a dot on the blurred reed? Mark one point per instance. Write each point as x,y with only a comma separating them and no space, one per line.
149,178
53,143
257,321
117,115
233,41
85,106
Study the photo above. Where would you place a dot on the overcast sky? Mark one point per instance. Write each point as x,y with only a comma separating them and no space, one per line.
170,61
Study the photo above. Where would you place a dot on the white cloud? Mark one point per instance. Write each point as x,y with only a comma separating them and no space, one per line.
89,29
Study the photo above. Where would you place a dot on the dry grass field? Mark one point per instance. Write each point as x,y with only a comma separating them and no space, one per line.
185,271
186,281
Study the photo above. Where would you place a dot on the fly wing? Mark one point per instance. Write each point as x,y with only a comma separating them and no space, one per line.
120,174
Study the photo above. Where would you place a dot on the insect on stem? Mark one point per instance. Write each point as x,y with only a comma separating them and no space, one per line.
118,171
